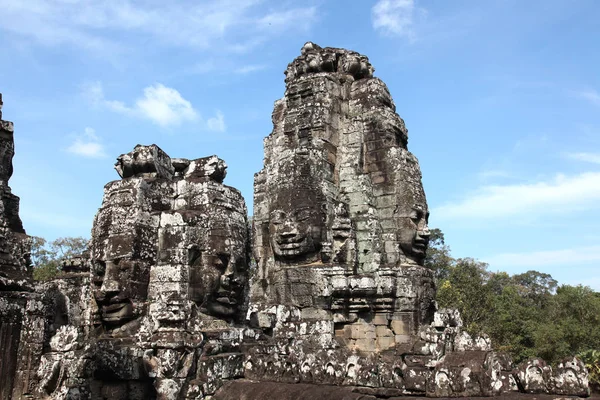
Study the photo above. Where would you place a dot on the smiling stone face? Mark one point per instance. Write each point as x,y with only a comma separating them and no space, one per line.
413,235
296,224
216,282
120,290
412,213
123,250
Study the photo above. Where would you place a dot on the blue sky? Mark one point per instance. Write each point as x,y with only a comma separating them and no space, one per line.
501,99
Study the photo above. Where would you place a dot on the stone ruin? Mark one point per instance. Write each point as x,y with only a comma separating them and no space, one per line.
21,315
325,295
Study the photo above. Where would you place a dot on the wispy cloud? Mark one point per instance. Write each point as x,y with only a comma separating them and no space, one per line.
281,20
217,123
585,157
590,95
87,145
565,257
593,282
394,17
60,221
163,106
210,24
159,104
247,69
501,201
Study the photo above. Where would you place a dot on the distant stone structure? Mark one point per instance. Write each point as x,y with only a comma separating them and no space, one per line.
20,309
168,266
338,304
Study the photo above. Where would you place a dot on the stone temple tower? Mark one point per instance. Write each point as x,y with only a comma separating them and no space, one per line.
340,215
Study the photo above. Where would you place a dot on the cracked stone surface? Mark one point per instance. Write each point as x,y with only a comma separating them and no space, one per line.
166,304
19,306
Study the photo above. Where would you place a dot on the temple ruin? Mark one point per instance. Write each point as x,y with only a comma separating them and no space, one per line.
324,295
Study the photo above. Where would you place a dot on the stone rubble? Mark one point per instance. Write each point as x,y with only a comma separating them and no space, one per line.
167,303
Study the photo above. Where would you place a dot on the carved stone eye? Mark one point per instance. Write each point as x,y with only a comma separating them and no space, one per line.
277,217
417,216
303,215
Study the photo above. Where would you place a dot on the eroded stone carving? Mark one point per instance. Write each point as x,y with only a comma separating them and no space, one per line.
168,266
20,308
162,308
340,235
340,215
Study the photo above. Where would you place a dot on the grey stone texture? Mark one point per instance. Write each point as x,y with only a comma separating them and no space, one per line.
340,215
19,305
166,304
168,264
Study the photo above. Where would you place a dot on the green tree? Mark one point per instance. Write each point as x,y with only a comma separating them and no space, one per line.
438,255
571,324
513,318
466,289
526,315
536,286
47,257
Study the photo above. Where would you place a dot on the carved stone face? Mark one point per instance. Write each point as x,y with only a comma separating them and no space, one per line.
296,224
413,233
120,289
217,281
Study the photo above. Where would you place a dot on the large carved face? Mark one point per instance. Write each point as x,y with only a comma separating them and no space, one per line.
218,276
413,232
296,223
120,290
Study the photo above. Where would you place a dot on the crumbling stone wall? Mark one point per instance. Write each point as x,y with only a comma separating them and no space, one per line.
340,234
18,307
162,308
340,215
168,269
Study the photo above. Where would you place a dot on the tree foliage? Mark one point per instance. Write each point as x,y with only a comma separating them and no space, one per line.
438,255
47,256
525,314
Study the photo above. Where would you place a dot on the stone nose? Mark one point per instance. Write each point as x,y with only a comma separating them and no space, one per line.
110,288
424,233
290,229
110,285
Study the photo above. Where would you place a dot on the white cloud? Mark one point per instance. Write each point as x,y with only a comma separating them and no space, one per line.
216,123
162,105
593,282
586,157
208,24
303,18
93,92
591,95
563,257
53,219
87,145
394,17
247,69
500,201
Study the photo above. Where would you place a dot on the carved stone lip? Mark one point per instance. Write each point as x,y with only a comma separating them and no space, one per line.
420,243
291,240
114,307
117,312
226,300
292,244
